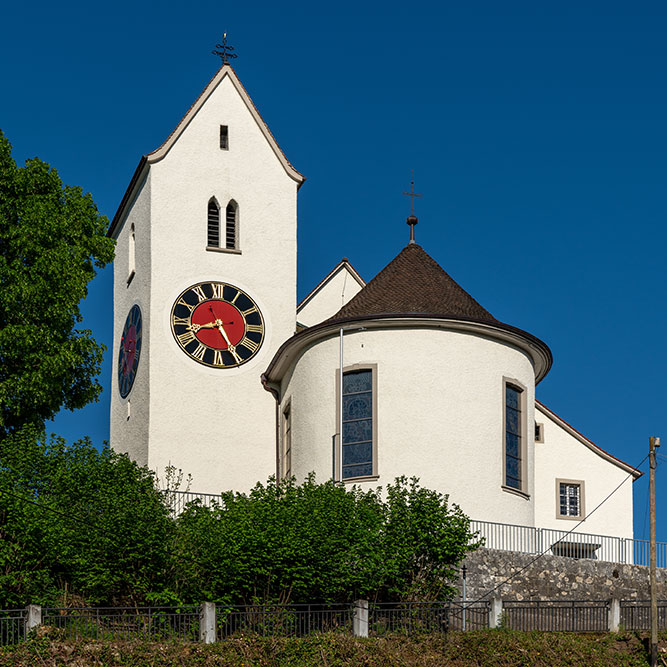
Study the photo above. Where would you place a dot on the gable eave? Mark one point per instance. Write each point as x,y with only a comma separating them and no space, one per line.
343,265
159,153
559,421
290,351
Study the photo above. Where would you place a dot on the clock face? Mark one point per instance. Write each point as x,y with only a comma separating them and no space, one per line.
217,325
130,349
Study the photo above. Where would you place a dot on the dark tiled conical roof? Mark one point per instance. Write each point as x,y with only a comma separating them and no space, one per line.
414,283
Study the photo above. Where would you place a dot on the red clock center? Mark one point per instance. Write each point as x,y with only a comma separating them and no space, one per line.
223,322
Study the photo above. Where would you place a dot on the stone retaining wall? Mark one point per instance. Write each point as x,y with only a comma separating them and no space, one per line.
555,578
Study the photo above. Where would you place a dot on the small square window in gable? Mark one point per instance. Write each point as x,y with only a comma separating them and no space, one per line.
224,137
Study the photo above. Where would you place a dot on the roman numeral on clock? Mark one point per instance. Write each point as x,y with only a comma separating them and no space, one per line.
199,352
186,338
250,344
253,328
183,302
197,289
217,290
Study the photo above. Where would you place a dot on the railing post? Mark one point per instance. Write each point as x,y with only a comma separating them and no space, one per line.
614,615
495,611
539,540
207,623
33,617
360,622
622,548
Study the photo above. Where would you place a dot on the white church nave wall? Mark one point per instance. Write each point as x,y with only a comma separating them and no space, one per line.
440,402
562,456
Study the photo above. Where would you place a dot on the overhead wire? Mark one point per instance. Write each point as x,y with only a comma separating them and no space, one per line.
569,532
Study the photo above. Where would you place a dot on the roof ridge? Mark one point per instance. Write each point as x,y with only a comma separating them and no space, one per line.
413,283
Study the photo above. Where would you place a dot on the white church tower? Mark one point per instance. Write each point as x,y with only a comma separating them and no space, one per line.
204,293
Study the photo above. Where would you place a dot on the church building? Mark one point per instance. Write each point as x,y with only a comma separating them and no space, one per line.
220,373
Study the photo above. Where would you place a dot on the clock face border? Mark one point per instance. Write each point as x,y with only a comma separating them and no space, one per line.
134,321
209,301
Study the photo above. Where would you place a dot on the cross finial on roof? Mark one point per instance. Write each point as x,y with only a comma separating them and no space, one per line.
412,218
223,51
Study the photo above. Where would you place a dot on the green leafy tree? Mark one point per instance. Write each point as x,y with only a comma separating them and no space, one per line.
79,522
424,541
52,239
320,542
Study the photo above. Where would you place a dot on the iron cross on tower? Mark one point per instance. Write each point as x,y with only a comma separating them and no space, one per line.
412,219
223,51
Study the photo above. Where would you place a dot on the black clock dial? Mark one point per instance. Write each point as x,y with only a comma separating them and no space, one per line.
129,352
217,324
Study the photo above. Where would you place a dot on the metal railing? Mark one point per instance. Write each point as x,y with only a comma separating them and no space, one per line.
159,624
124,623
179,499
288,620
636,614
426,617
530,540
513,537
12,626
557,615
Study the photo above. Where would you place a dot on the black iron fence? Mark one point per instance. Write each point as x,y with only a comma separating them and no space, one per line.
557,615
288,620
426,617
12,626
208,622
122,623
636,614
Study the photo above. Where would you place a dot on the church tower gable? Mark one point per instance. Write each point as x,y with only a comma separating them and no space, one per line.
218,292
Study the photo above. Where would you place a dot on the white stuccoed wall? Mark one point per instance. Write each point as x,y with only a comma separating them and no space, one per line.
440,413
562,456
216,424
329,299
131,435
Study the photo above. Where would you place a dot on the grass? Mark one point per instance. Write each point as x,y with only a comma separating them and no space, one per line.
502,648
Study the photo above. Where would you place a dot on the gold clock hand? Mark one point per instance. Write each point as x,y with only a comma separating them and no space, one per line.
231,348
197,327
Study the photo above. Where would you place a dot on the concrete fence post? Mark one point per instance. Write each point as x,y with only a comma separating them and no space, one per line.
33,618
207,623
614,615
360,622
495,612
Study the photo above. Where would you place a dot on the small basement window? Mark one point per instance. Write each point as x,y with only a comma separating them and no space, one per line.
224,137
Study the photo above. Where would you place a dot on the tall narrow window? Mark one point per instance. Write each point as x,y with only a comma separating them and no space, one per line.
224,137
231,229
287,443
357,423
213,224
131,261
513,436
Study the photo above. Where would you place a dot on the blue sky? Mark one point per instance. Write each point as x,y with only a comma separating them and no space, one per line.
536,131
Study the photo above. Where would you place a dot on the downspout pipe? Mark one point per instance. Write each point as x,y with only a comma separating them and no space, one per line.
276,394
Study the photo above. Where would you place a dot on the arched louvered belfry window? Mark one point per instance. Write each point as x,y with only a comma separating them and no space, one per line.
232,226
213,224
